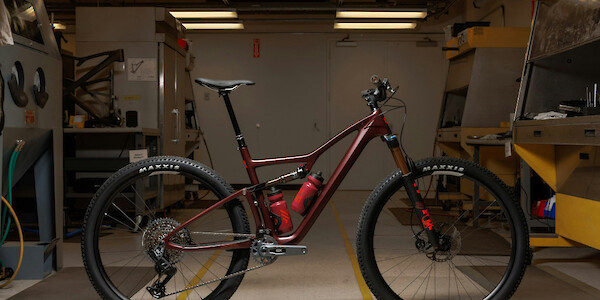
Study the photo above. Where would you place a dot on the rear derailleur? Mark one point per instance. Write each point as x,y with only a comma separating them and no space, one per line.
164,269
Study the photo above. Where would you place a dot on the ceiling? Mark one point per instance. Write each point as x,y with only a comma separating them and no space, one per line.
256,11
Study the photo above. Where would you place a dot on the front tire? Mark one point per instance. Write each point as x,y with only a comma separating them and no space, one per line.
485,256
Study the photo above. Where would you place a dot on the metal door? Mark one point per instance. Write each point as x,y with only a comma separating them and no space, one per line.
171,116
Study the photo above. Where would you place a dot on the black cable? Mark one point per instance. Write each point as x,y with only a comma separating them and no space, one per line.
124,145
394,107
206,147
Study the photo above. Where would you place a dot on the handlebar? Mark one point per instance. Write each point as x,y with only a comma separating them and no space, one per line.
379,93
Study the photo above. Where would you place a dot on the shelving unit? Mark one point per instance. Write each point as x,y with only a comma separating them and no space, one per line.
561,62
481,88
87,163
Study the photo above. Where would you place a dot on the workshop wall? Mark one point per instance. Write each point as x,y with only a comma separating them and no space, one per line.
307,90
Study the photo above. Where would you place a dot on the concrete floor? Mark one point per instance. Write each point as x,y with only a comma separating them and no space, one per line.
327,271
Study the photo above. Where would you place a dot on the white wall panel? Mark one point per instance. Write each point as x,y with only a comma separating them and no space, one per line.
283,114
419,73
308,90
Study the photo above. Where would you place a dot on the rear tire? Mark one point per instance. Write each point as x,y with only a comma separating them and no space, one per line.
109,217
391,254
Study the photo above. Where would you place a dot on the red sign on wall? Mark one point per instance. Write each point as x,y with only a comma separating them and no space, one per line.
29,117
256,48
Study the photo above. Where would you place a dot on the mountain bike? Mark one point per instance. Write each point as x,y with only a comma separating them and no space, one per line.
431,244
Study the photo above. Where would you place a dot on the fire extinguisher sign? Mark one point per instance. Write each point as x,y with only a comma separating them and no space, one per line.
256,48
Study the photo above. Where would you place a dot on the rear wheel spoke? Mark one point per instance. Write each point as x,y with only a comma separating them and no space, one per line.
127,252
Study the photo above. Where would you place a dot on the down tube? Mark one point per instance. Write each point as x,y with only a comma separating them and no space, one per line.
377,128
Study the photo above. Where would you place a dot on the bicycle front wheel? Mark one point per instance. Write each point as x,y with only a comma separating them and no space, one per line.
126,222
483,242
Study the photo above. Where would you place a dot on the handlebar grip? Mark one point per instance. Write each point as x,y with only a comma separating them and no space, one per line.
375,80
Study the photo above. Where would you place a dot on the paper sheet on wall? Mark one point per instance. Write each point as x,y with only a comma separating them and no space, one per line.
137,155
141,69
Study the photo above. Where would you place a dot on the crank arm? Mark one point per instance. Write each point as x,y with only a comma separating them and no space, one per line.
281,250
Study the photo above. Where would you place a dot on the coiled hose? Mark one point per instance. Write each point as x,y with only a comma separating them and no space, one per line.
8,207
14,215
11,169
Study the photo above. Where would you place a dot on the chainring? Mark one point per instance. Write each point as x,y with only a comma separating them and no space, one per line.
260,256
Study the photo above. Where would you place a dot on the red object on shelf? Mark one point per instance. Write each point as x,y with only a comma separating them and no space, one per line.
182,43
538,208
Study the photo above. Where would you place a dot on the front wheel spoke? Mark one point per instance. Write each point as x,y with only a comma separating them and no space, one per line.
392,267
478,286
476,218
395,257
459,281
415,279
457,219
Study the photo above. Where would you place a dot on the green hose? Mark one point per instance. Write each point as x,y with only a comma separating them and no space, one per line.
11,169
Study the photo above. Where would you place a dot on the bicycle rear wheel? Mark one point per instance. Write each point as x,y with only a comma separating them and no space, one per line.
124,224
484,244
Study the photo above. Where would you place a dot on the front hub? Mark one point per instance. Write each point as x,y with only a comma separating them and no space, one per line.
449,243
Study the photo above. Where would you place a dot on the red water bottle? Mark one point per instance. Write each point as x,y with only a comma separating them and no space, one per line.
307,193
280,212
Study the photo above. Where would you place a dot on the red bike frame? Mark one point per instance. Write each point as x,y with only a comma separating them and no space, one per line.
371,126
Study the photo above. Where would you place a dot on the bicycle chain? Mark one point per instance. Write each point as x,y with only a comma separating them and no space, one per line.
238,273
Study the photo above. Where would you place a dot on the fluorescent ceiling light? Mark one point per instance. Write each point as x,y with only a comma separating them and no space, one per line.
346,25
405,14
213,14
212,26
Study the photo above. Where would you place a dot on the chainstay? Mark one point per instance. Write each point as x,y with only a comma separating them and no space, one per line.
246,235
238,273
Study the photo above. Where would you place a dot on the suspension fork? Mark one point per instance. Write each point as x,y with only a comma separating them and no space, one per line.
412,190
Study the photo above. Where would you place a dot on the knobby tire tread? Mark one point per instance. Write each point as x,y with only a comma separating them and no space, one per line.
123,173
396,178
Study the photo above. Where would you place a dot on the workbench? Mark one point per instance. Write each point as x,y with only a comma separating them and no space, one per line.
562,61
480,94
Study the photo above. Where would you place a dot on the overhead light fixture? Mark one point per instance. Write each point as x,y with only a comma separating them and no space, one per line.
212,26
382,14
207,14
398,25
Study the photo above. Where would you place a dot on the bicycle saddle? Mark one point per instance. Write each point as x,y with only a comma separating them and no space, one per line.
222,85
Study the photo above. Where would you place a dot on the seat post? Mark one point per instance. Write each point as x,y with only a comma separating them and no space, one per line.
238,134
